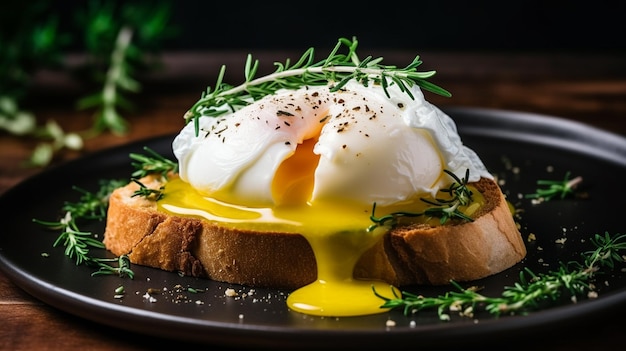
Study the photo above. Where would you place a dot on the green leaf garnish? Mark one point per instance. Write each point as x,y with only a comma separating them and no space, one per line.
556,188
152,163
148,193
444,209
338,68
77,243
532,290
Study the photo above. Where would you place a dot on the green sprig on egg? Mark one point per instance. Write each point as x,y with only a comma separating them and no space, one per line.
336,67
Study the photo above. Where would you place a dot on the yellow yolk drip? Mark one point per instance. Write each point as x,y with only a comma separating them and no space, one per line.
336,292
337,234
307,193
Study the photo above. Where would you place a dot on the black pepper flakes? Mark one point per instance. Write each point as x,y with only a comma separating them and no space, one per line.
284,113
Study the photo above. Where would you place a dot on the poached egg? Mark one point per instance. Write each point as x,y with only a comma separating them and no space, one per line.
313,161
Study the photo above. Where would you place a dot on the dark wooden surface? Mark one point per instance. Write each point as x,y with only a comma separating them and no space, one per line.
589,88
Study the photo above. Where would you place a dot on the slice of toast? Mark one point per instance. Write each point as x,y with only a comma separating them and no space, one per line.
413,254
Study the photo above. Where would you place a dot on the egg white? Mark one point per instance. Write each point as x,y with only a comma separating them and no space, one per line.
371,148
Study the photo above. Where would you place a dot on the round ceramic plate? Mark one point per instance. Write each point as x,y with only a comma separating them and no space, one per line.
518,148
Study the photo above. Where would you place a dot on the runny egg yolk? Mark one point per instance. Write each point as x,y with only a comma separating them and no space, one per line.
337,234
313,162
294,179
336,252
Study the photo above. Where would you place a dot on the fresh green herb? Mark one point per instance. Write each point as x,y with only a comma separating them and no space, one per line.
31,40
556,188
532,290
148,193
122,270
56,139
338,68
460,195
445,209
152,163
119,292
93,206
117,80
119,39
194,290
77,243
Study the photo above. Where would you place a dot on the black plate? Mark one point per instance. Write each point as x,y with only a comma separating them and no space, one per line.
519,148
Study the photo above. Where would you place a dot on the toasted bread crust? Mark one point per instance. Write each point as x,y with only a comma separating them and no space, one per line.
460,251
416,254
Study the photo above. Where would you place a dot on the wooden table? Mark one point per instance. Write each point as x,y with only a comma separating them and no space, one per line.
590,88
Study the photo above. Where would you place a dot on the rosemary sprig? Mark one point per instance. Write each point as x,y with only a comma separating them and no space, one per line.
117,80
556,188
460,195
122,270
532,290
77,243
152,163
93,206
337,67
148,193
119,40
445,209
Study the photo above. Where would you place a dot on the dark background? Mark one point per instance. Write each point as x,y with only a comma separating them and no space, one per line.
415,25
441,25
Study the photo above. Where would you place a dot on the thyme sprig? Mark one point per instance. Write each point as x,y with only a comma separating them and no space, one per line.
445,209
337,67
556,188
77,243
152,163
532,291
